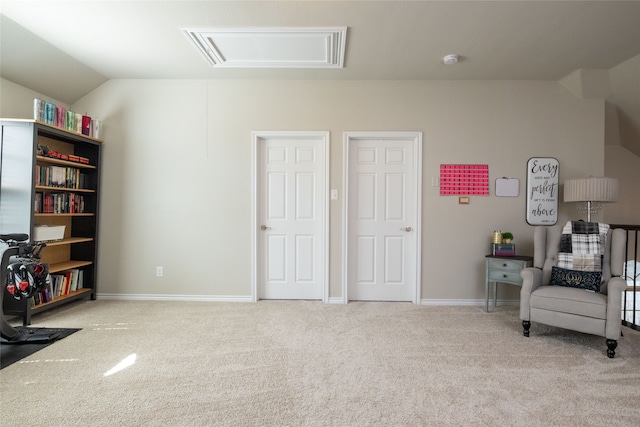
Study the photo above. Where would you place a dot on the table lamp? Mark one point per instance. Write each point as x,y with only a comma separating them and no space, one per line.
591,193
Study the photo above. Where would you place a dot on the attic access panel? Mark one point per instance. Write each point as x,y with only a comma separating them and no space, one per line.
270,47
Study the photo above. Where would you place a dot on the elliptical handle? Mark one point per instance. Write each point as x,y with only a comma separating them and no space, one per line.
18,237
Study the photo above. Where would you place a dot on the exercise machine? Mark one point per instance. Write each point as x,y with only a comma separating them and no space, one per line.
22,275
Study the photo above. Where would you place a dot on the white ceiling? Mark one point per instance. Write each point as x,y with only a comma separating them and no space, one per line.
67,48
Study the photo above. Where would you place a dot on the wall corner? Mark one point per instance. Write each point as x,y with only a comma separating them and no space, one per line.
588,84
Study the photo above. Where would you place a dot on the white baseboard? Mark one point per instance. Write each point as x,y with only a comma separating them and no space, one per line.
160,297
466,302
249,298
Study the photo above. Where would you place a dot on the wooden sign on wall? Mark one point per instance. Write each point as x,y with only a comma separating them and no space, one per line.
542,191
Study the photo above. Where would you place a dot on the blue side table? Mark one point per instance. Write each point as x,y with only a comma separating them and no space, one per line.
503,269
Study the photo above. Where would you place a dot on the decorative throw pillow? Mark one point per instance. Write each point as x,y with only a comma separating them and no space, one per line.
589,280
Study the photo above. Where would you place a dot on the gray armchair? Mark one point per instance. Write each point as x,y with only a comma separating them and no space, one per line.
597,313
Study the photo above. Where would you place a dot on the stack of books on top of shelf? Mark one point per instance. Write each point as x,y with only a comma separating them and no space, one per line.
504,249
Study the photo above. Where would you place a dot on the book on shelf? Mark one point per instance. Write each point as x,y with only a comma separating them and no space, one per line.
37,208
73,280
80,283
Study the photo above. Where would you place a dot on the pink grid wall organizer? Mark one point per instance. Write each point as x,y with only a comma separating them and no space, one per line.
468,180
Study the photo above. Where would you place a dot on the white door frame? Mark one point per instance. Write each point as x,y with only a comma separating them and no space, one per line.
324,138
416,138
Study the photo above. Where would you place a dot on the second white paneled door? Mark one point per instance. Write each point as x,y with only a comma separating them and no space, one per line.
290,215
383,224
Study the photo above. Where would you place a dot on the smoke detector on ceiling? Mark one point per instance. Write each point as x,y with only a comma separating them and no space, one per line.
450,59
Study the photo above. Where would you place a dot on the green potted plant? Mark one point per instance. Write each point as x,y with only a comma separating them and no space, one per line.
507,237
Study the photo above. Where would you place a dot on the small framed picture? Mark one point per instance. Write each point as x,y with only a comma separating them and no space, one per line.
507,187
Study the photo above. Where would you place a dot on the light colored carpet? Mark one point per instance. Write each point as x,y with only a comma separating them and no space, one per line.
302,363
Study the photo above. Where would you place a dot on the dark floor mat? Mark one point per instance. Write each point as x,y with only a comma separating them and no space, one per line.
30,341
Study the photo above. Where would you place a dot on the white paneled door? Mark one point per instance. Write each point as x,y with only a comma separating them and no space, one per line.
383,216
290,215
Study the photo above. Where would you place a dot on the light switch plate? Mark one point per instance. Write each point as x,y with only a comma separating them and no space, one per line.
334,194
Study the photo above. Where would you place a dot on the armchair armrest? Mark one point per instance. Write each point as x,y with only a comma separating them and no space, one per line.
615,287
531,280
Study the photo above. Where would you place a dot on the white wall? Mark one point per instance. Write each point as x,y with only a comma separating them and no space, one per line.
177,170
16,102
625,166
177,167
624,80
622,141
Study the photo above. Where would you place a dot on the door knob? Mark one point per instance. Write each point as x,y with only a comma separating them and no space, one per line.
407,228
264,227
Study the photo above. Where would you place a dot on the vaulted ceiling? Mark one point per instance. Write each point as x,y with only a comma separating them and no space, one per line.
65,49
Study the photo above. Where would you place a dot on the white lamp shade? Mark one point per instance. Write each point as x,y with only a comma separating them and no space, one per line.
592,189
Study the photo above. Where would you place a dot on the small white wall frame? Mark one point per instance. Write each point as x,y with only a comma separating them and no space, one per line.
507,187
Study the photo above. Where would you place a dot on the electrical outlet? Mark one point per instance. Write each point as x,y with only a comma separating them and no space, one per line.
159,271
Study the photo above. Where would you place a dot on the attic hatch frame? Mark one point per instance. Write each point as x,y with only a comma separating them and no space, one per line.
270,47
